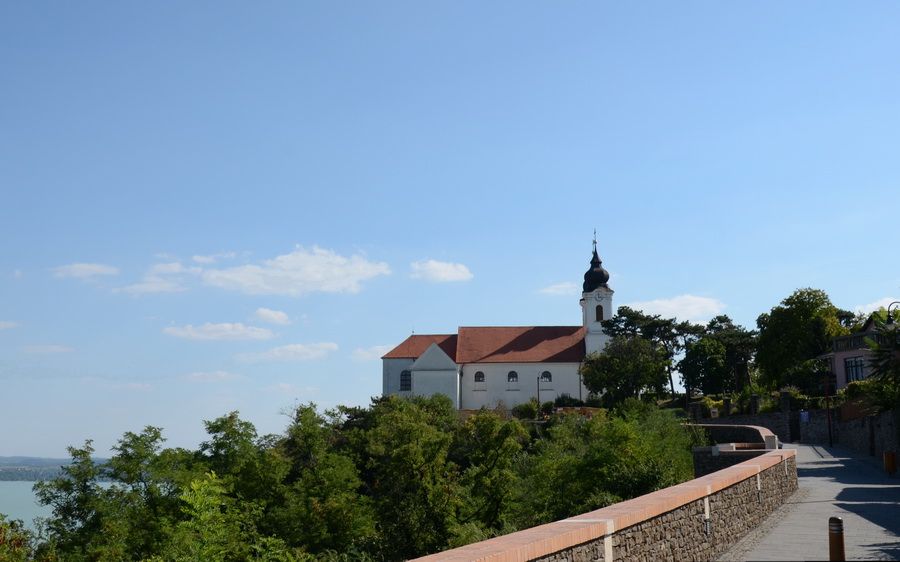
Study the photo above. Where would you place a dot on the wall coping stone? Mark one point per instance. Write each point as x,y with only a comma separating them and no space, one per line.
550,538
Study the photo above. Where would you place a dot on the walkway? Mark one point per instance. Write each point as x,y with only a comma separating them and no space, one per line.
833,482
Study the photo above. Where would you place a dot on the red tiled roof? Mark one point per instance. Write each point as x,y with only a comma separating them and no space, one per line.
520,344
414,346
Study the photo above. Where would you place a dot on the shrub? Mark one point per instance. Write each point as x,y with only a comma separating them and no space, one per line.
526,411
566,401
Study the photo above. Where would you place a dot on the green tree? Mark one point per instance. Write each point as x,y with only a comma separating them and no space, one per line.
884,382
77,509
704,367
627,367
740,348
485,449
414,485
15,541
793,334
322,507
668,334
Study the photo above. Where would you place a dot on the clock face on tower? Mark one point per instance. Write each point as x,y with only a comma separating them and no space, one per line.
598,297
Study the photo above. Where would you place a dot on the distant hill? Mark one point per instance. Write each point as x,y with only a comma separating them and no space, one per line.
33,468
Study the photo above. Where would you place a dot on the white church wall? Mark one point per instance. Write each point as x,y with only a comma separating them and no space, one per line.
428,383
390,375
494,389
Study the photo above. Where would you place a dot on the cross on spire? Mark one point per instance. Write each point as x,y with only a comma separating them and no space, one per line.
595,239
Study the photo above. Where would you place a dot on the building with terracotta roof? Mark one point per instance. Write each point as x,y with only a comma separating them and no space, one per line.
483,366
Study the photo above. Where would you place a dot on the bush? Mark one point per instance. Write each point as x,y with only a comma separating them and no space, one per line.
526,411
566,401
547,408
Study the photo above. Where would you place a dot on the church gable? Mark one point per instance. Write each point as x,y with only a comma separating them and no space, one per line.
433,359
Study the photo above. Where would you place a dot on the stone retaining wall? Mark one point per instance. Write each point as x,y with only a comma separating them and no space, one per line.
869,435
696,520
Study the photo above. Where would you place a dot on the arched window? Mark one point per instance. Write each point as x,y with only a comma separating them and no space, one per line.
546,377
479,376
599,313
405,380
512,376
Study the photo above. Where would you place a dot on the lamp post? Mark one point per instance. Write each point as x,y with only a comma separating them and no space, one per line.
890,318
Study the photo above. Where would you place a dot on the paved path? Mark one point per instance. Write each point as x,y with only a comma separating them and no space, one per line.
833,482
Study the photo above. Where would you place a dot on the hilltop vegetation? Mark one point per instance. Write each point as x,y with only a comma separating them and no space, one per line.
397,479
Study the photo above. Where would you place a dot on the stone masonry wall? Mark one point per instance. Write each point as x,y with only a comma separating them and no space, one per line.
684,534
882,430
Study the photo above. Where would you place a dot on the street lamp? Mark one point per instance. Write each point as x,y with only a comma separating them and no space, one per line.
890,318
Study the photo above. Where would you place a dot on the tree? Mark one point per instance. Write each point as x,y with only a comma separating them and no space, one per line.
627,367
704,367
15,541
740,347
667,333
885,364
793,334
485,449
322,507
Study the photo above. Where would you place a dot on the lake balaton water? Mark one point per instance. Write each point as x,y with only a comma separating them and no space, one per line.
17,501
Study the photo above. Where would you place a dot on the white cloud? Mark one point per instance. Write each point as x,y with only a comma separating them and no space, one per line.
682,307
154,284
439,271
288,388
566,288
213,258
137,386
223,331
47,349
873,306
272,316
167,268
292,352
211,376
6,324
298,273
84,270
371,353
163,277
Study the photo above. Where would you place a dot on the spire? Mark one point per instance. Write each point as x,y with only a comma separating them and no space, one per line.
595,276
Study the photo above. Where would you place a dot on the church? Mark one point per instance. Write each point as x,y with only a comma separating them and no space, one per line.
483,366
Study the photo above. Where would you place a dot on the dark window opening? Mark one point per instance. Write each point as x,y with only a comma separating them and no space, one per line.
512,376
405,380
599,313
546,377
855,368
479,376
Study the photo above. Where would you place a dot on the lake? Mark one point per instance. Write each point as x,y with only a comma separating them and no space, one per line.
17,501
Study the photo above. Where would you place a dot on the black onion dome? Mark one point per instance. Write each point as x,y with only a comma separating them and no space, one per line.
596,276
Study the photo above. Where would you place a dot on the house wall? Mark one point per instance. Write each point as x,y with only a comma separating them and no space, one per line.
390,375
428,383
840,372
566,380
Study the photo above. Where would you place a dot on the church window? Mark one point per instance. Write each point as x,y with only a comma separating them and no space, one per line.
479,376
405,380
512,376
599,313
546,377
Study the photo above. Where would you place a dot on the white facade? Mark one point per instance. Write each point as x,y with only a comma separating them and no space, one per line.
496,388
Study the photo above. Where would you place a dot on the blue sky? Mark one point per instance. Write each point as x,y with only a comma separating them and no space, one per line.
219,206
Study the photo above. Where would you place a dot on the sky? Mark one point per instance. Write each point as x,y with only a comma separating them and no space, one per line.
217,206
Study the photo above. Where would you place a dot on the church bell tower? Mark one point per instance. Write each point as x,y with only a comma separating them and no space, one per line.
596,304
